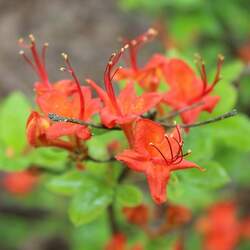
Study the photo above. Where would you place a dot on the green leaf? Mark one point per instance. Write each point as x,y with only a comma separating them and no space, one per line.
14,113
233,132
49,157
128,195
215,176
69,183
89,203
97,146
202,149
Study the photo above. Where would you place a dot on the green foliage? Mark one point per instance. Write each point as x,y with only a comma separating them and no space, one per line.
13,115
68,183
128,195
89,202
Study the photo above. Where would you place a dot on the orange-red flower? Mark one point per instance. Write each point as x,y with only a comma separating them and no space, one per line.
187,89
66,98
119,242
177,215
127,107
148,76
221,228
156,154
20,183
138,215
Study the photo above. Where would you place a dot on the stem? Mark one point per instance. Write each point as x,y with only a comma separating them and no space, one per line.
212,120
177,112
112,220
100,161
58,118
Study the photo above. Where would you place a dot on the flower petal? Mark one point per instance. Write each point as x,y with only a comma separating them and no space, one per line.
62,129
158,177
146,132
134,160
185,164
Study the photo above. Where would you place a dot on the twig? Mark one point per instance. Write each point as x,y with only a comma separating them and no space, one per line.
24,212
100,161
112,219
177,112
212,120
58,118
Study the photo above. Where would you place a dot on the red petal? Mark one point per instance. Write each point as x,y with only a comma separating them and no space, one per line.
145,102
182,80
146,132
102,94
185,164
158,177
134,160
210,103
127,98
64,129
108,118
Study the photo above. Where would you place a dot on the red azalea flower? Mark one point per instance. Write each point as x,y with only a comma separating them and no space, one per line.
65,98
221,229
177,215
127,107
187,89
149,76
119,242
137,215
156,154
20,183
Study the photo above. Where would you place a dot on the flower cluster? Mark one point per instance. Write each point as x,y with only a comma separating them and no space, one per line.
222,228
152,150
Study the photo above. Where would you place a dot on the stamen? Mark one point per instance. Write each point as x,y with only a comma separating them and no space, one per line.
21,52
170,147
138,41
70,69
116,71
45,46
179,134
108,77
179,154
220,62
39,62
152,144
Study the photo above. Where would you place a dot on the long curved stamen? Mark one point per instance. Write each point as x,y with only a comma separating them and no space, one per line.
21,52
182,156
179,134
201,67
73,74
116,71
154,146
45,46
135,43
108,77
170,147
39,63
220,62
180,152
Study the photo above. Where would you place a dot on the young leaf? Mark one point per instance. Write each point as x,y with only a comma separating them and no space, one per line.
89,203
14,112
128,195
69,183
